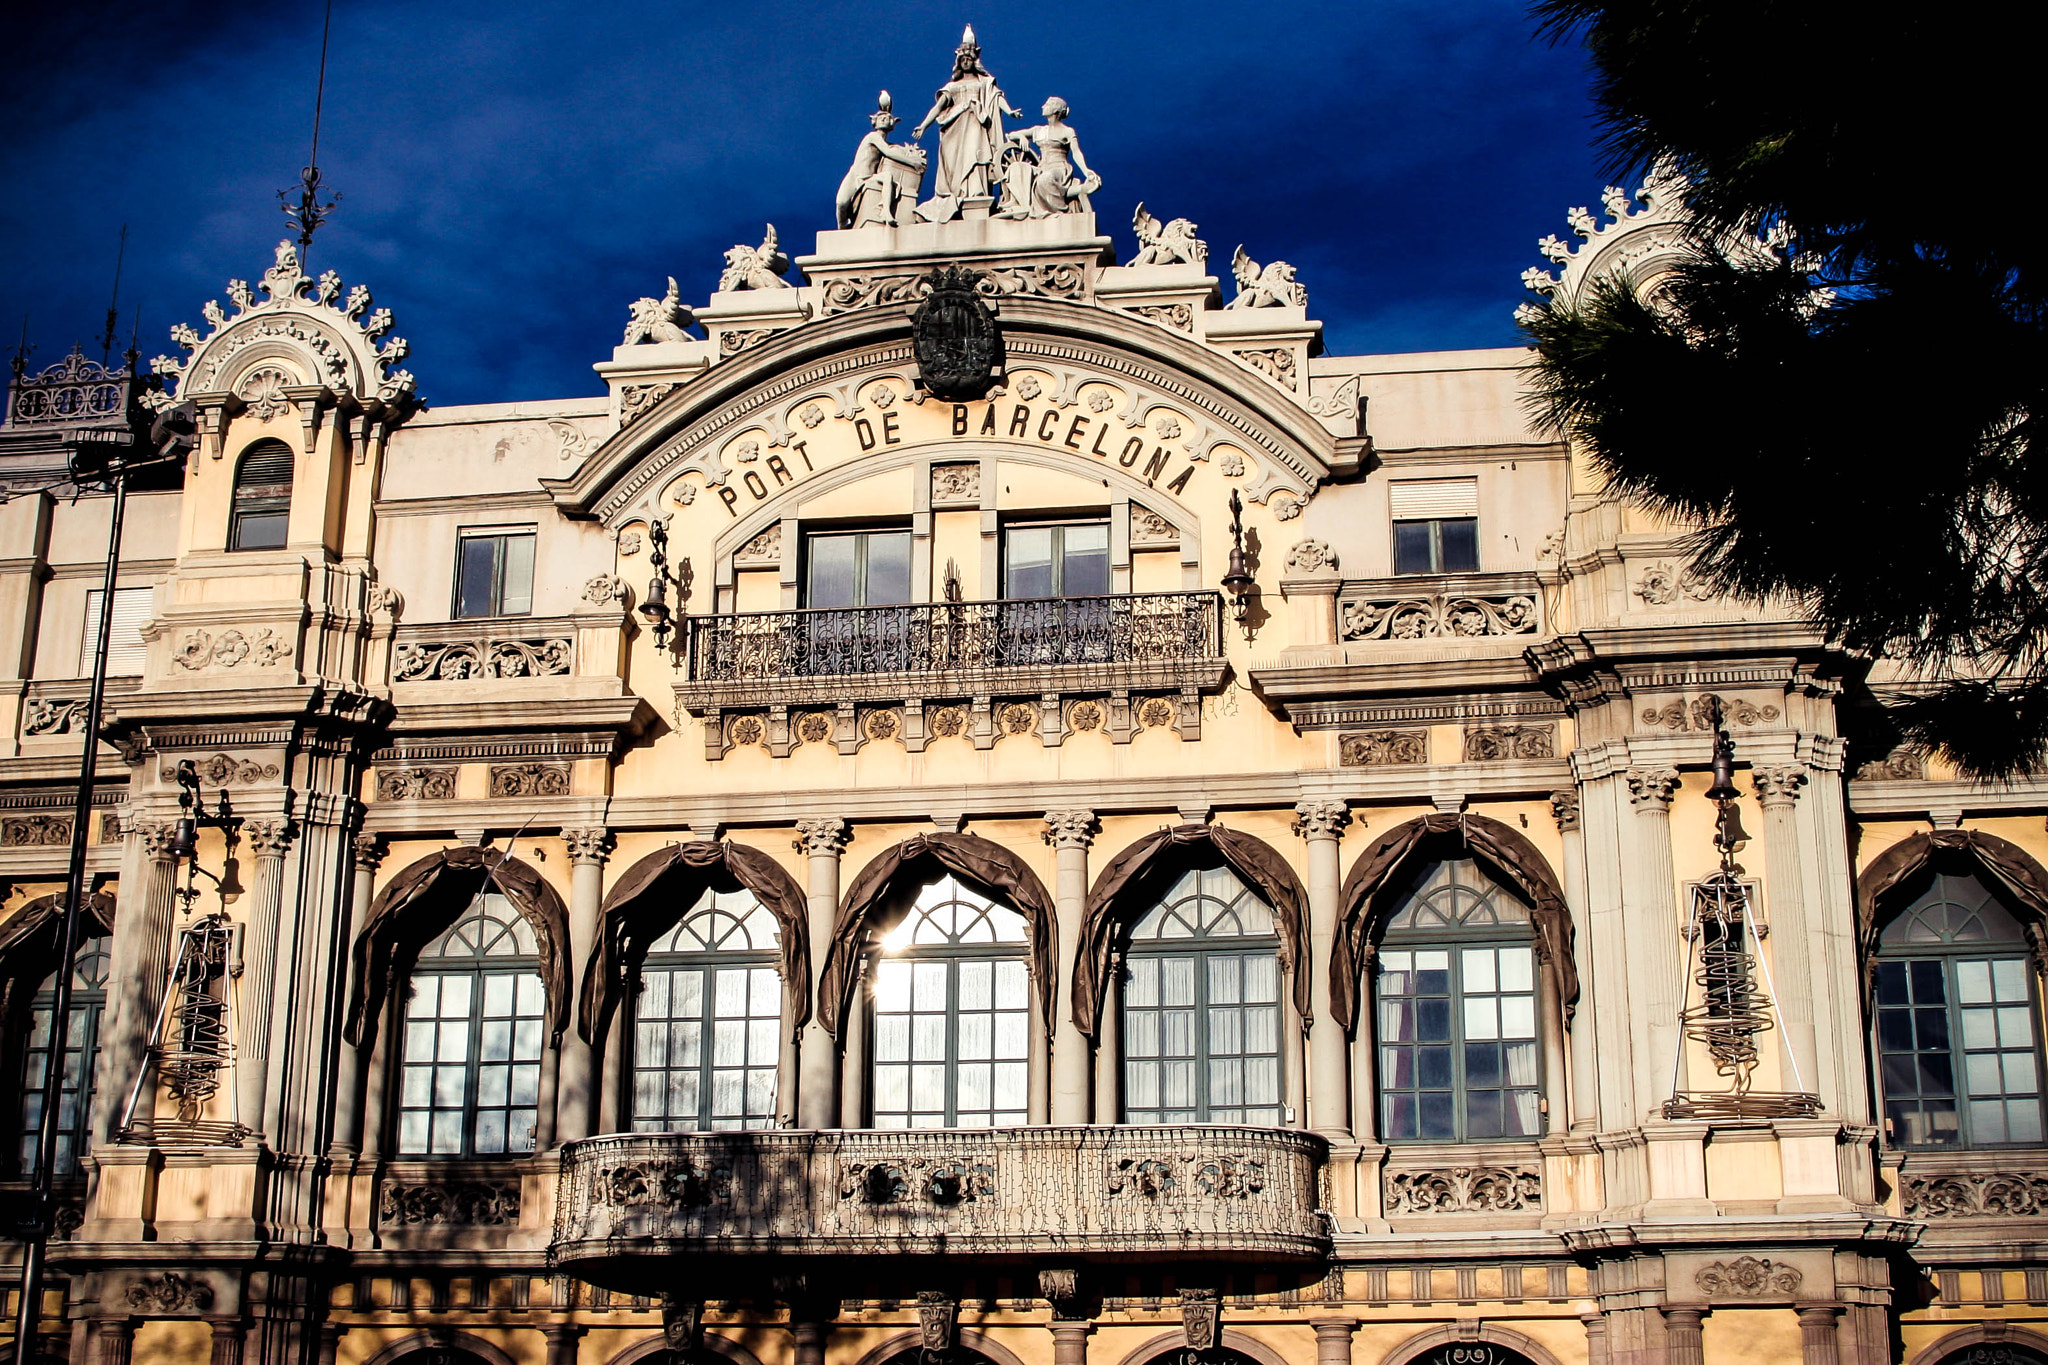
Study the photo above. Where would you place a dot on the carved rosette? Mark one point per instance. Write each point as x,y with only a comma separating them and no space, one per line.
1070,828
589,845
1652,788
1319,819
823,837
1747,1277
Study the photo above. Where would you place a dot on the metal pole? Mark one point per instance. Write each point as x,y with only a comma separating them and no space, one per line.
37,1248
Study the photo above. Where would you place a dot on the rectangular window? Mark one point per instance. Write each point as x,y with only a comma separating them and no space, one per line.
951,1043
705,1046
1458,1043
856,568
1202,1038
1436,525
494,574
471,1060
1067,560
75,1085
1933,1013
126,649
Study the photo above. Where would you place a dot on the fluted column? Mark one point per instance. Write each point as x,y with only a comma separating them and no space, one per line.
142,959
227,1343
1817,1334
1585,1090
267,840
1682,1341
1321,823
348,1072
1778,790
1070,832
114,1343
1655,947
577,1083
821,841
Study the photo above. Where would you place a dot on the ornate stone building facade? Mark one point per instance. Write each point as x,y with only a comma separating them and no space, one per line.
990,807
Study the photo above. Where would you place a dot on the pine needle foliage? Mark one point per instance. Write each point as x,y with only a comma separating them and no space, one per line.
1850,420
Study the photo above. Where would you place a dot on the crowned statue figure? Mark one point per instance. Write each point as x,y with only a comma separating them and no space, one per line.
884,176
969,110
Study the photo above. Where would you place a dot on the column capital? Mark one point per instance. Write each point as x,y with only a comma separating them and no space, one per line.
822,837
156,836
1652,788
1320,818
1070,828
1779,788
1564,808
268,838
591,844
369,851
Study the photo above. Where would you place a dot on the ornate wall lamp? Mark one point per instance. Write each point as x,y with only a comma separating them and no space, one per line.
655,606
1238,581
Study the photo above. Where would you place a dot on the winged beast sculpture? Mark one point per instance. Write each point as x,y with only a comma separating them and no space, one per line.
755,267
1271,287
1171,243
661,319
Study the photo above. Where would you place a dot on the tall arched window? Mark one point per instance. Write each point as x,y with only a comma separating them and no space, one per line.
470,1074
951,1014
1456,985
1957,1043
1201,1023
707,1023
263,497
81,1052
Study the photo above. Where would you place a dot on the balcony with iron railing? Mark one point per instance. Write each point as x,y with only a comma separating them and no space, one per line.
992,657
1186,1193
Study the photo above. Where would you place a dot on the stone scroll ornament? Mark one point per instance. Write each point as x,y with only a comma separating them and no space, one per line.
954,335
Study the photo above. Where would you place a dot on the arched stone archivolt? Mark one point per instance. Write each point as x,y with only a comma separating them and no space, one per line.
1174,1346
1985,1343
966,1338
1470,1343
444,1347
29,938
712,1349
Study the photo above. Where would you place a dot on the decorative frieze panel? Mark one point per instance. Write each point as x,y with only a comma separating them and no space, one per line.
1903,764
1438,616
1465,1189
201,651
460,1203
35,831
1057,280
529,779
2014,1195
442,659
170,1293
416,784
1748,1277
50,716
225,770
1498,743
1382,748
1698,713
956,484
1025,1191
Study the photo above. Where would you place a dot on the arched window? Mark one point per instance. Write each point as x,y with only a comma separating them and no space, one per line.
951,1014
470,1073
1201,1024
707,1023
81,1053
1956,1037
1456,986
263,497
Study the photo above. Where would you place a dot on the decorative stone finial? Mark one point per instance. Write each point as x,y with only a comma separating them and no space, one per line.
661,319
1173,243
1272,286
755,267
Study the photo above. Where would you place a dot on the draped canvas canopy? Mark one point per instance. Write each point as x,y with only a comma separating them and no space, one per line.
983,865
29,938
1133,882
1501,850
2009,866
654,895
430,895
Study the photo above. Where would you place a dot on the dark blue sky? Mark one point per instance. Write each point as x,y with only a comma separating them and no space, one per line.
511,181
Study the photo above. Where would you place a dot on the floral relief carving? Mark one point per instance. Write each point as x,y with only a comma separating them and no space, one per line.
416,784
268,650
1018,718
1276,363
813,727
229,649
605,590
1148,527
1382,748
1233,1176
1495,743
1465,1189
1438,615
810,415
1747,1277
44,716
1662,585
1028,387
1975,1196
1155,713
629,544
1285,506
764,548
1698,714
949,722
475,1203
1102,400
746,730
225,770
881,725
1903,764
1142,1178
684,1184
931,1180
882,395
1232,465
1085,716
956,482
1178,316
34,831
1312,557
637,400
170,1292
529,779
263,390
461,660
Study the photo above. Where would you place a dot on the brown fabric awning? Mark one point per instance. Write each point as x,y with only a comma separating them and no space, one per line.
653,895
1132,882
986,866
22,937
2015,871
430,895
1500,849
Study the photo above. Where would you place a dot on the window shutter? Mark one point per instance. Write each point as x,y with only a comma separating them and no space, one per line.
126,649
266,472
1434,499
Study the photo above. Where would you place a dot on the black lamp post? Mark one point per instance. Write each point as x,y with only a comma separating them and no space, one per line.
107,462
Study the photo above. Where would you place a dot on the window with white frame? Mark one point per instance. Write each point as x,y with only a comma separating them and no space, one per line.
1436,525
707,1020
126,649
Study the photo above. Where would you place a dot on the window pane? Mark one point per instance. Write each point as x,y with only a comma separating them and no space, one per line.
1459,540
1412,547
1027,568
831,568
1084,561
260,530
888,568
476,573
516,592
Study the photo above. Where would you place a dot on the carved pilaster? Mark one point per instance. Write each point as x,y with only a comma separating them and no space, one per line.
369,851
590,845
1070,828
1320,819
1652,788
156,837
1779,788
268,838
823,837
1564,808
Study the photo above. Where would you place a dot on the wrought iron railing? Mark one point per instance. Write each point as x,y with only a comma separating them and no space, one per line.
1159,628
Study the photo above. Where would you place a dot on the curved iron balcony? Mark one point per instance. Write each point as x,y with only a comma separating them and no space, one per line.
1163,641
1207,1192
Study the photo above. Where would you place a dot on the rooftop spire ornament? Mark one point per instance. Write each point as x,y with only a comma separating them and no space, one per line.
1731,1013
309,213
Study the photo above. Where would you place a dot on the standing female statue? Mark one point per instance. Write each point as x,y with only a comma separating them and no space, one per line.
969,110
1049,187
